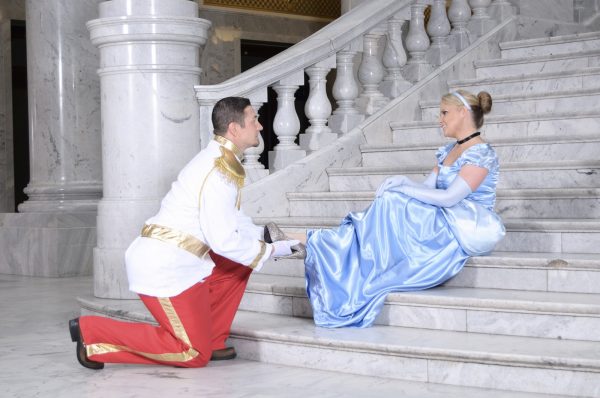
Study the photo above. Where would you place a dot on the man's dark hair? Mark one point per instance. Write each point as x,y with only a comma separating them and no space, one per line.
227,110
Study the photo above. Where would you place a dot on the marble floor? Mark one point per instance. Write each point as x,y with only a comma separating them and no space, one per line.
37,360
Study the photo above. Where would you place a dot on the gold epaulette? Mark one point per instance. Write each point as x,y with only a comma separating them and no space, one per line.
230,167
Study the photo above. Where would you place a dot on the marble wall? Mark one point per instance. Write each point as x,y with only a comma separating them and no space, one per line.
9,10
221,58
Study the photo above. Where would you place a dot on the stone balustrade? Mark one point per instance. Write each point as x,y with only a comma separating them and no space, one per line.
373,65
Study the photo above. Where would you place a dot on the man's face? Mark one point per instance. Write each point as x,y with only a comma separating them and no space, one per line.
248,133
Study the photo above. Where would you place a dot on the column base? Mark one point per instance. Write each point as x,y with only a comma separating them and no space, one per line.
314,141
343,123
47,244
110,275
281,159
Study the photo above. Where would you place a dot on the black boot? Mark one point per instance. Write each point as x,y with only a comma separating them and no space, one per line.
80,349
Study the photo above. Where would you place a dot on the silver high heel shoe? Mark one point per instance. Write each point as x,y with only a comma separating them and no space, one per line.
273,234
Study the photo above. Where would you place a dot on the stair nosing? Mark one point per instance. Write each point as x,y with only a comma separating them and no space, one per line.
512,224
516,118
484,63
453,84
508,45
329,341
425,104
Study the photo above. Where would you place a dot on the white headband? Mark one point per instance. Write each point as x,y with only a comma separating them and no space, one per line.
463,100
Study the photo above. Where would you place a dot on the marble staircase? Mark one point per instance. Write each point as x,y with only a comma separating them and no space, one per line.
521,321
525,318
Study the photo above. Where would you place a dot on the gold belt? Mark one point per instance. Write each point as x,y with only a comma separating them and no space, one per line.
180,239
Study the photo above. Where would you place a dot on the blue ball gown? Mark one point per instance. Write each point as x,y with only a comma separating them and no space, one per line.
400,244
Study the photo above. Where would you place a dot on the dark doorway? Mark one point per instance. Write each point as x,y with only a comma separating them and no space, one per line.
253,53
19,110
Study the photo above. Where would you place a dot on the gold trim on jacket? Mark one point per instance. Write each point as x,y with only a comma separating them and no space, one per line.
180,239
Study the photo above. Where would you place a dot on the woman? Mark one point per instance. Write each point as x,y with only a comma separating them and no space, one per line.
413,236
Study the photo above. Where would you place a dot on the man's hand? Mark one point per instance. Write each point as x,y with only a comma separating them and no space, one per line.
283,247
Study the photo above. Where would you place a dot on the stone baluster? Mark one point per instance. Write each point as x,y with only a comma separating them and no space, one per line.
502,9
254,169
370,74
459,14
417,42
318,107
286,124
439,29
480,22
394,58
345,91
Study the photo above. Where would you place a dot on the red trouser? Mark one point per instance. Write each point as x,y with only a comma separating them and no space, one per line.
191,324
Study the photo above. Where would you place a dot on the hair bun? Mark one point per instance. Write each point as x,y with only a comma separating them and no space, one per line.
485,101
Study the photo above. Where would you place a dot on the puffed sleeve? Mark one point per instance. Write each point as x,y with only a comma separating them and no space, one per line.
223,228
480,156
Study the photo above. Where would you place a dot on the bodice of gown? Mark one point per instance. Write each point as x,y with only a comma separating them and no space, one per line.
481,155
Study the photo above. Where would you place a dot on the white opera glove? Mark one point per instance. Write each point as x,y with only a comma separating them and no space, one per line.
457,191
283,247
390,183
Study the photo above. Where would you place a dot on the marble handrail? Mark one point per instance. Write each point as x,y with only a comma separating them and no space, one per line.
324,43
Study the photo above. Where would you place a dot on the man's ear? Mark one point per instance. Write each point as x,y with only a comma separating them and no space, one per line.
233,127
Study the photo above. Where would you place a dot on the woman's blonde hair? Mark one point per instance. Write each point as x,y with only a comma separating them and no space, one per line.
478,105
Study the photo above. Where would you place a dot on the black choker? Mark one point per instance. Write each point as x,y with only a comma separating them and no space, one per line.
475,134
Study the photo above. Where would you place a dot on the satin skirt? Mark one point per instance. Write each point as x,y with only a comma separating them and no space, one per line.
396,244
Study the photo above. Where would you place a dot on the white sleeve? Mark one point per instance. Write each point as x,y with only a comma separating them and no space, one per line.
222,227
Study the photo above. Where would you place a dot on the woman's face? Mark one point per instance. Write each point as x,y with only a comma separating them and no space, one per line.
451,119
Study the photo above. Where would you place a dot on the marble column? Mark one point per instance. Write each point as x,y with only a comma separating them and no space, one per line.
149,57
64,109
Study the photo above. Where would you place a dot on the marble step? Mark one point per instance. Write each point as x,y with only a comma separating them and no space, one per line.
580,42
535,83
506,128
520,364
547,272
536,64
583,100
569,203
564,174
568,316
522,150
577,236
455,358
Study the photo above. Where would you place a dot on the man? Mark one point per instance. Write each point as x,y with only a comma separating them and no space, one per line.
192,261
